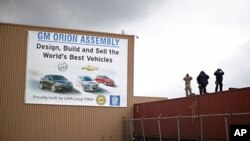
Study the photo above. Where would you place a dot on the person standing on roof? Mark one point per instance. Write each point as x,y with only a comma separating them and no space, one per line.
202,80
219,78
187,80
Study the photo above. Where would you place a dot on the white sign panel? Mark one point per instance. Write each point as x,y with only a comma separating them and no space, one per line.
70,69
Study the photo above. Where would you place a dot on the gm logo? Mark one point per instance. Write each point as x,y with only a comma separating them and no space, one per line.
114,100
239,132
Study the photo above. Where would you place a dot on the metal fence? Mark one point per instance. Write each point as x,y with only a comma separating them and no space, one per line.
197,127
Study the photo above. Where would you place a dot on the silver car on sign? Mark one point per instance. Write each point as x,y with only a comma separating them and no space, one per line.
88,84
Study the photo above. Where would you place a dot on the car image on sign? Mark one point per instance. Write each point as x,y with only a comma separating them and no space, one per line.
104,80
88,84
55,83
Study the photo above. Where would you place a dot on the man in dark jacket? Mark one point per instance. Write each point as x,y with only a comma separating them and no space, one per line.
202,80
219,78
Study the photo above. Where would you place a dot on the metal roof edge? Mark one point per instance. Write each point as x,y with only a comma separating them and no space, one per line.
61,28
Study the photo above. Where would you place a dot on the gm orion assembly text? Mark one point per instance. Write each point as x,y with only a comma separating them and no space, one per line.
77,39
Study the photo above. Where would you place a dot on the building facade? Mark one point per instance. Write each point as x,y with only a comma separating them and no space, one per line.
25,120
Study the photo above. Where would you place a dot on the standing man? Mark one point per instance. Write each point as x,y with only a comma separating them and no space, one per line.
202,80
187,80
219,78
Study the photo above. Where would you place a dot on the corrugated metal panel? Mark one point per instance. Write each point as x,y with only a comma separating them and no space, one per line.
214,104
235,101
173,107
168,108
45,122
240,104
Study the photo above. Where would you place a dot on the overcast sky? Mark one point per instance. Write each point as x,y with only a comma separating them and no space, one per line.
175,36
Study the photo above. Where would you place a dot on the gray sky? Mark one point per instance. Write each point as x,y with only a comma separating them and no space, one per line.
175,36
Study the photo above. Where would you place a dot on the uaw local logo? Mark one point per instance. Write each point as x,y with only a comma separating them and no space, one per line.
100,99
62,66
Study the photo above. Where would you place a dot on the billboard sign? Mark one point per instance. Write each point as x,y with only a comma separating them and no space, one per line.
72,69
